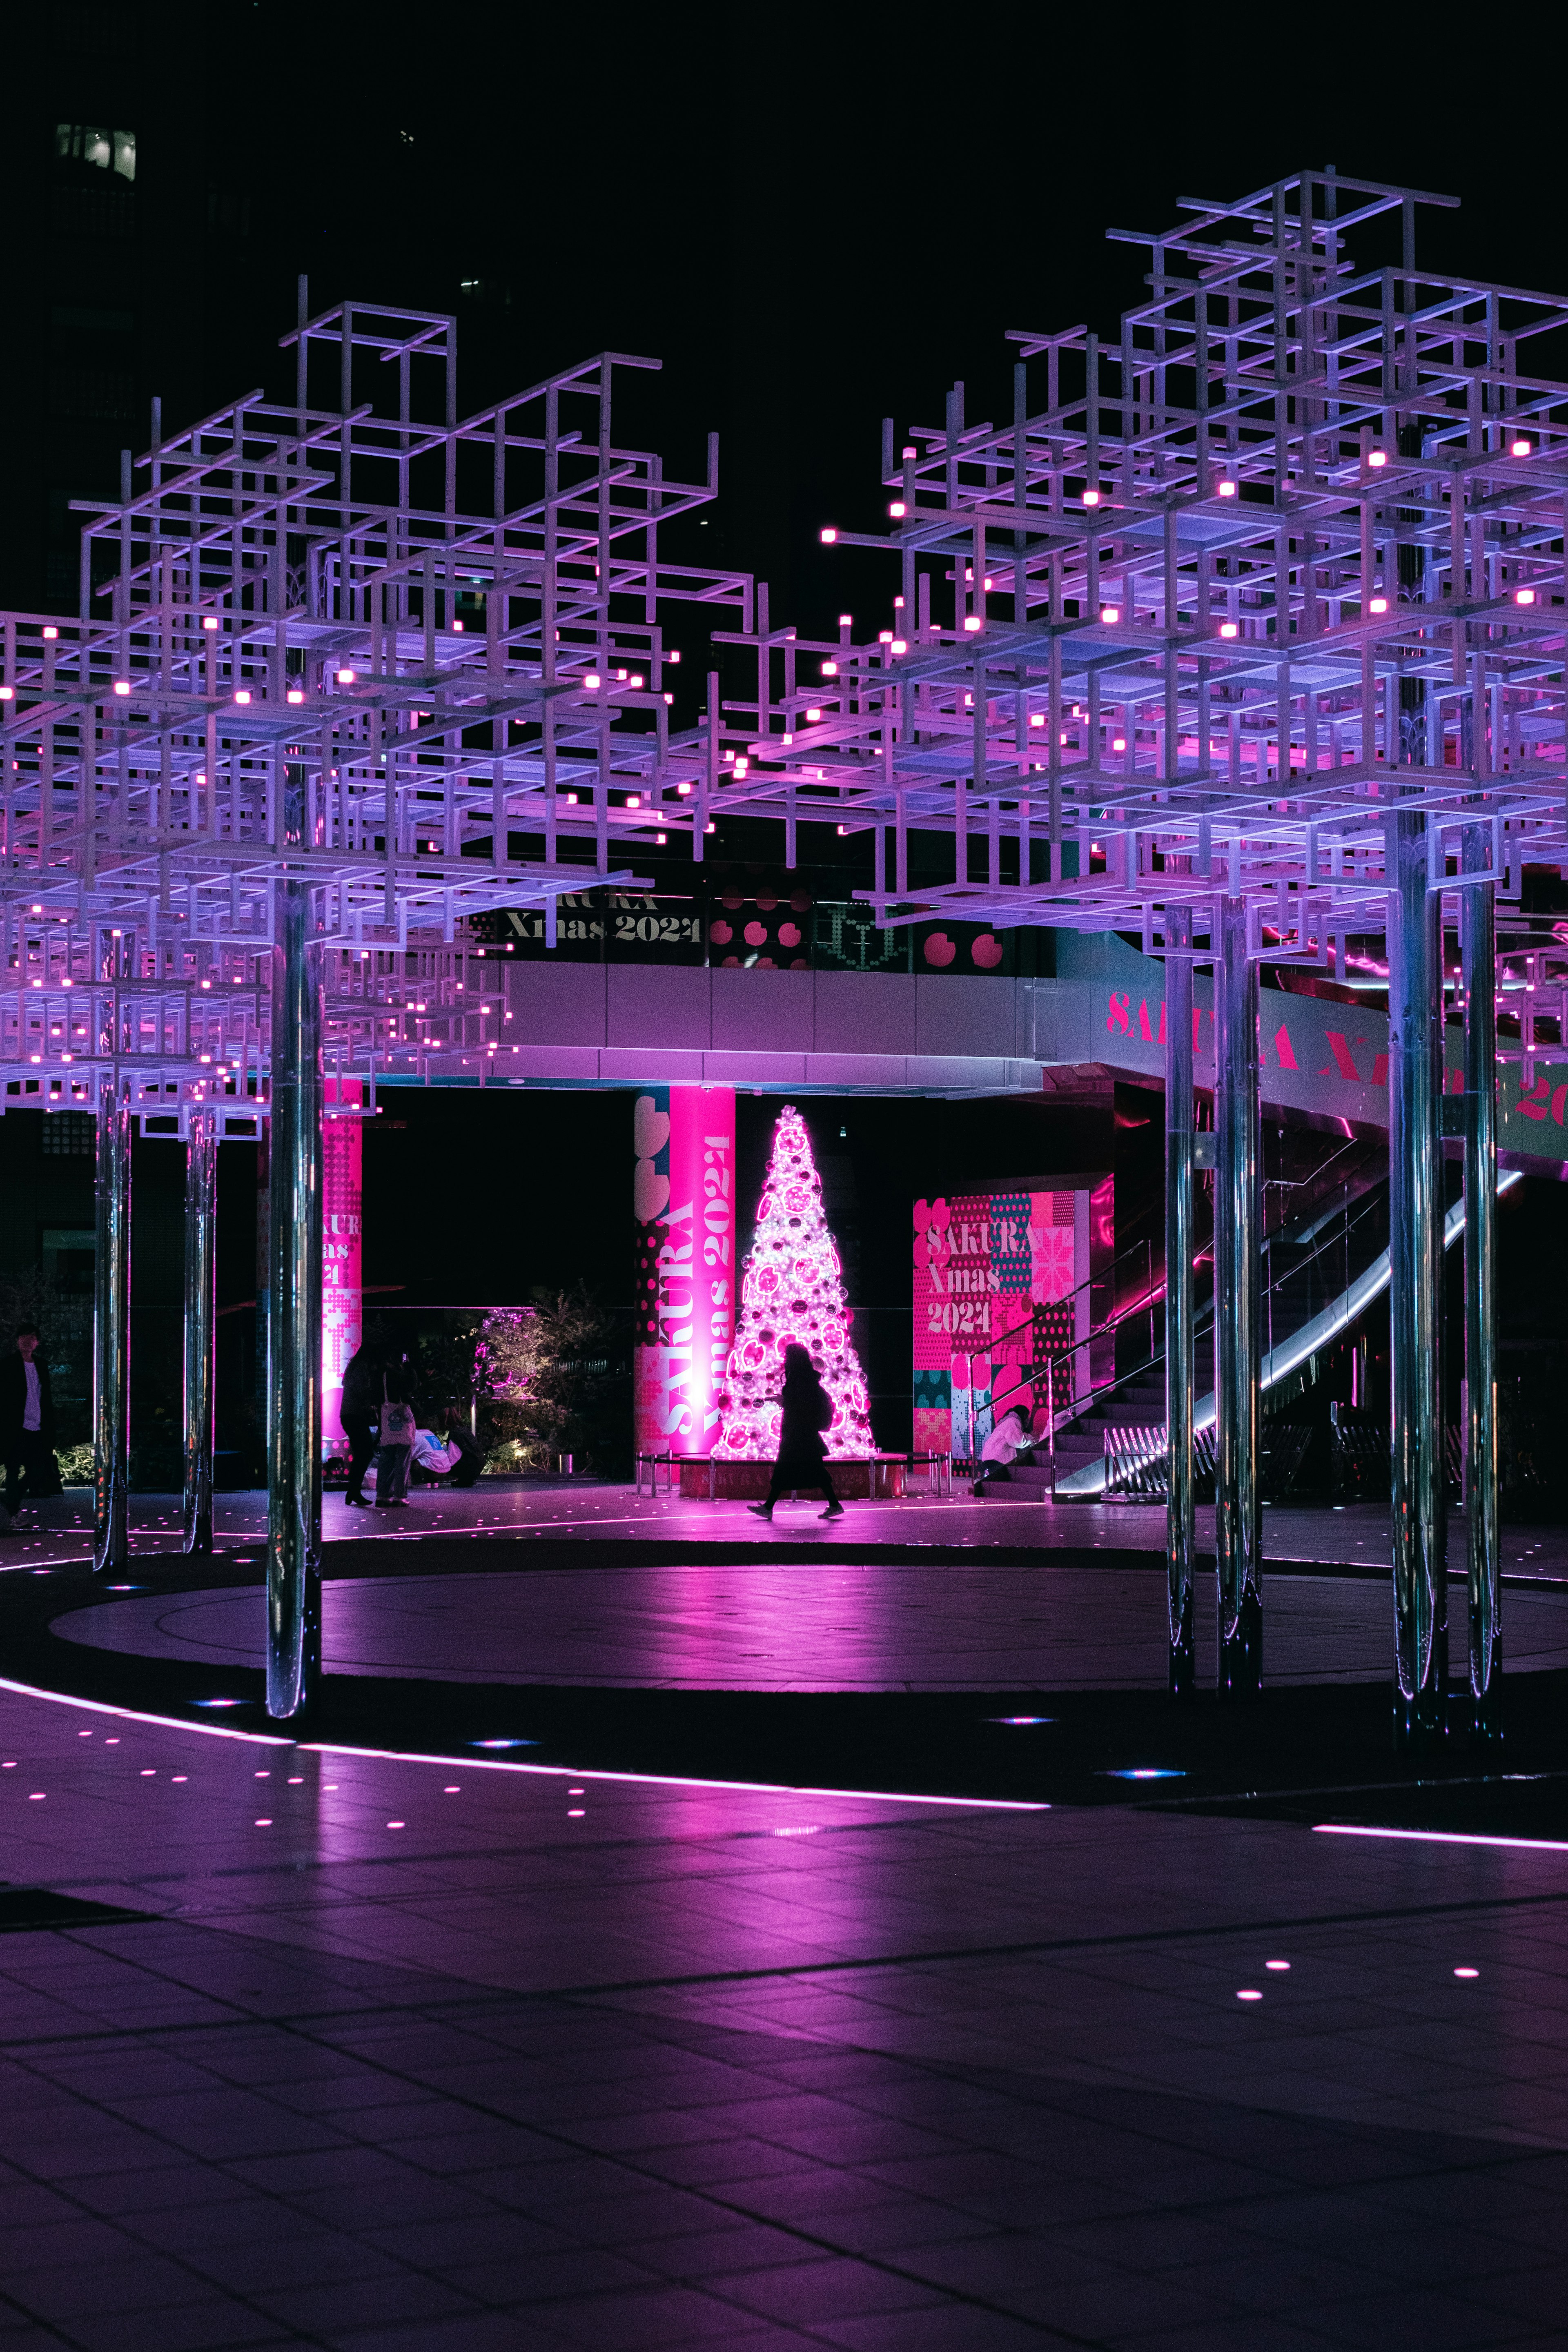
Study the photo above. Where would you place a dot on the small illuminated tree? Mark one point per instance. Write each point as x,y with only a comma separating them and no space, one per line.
792,1289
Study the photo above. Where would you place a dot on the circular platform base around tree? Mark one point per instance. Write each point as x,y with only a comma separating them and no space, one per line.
1010,1678
878,1477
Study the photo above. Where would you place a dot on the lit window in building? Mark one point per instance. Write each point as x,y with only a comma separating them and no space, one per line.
90,142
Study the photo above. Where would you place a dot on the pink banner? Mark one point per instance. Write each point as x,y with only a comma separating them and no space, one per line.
342,1294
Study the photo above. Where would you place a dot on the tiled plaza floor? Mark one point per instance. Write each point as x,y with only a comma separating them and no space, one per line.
449,2058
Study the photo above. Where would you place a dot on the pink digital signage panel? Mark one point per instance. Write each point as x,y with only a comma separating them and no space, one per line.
1000,1283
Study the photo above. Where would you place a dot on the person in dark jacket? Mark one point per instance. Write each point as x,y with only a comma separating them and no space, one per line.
28,1422
359,1413
803,1455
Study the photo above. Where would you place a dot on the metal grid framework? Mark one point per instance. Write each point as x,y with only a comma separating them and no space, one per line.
1285,555
299,658
1299,528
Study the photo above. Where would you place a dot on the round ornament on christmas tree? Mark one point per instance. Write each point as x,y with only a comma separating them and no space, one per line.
792,1289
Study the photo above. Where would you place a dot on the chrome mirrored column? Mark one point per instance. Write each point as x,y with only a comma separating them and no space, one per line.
201,1262
112,1338
1179,1293
1238,1519
294,1313
1478,947
1418,1475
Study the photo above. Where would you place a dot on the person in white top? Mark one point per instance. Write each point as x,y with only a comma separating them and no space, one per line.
1010,1438
28,1422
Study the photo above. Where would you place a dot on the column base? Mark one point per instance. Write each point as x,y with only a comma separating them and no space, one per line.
1241,1657
1421,1723
1181,1654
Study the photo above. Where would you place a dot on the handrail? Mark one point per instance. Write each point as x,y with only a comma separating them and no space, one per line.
1354,1213
1278,1239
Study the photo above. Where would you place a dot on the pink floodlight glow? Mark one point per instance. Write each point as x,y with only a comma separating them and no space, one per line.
346,676
633,799
884,637
243,695
51,632
900,645
458,628
898,509
683,791
741,764
811,716
1519,448
1036,717
1110,613
592,681
1228,629
846,620
1377,456
635,684
827,536
1228,488
1378,604
1524,595
973,622
209,620
1091,497
7,694
673,656
296,694
1119,743
898,603
123,685
571,800
830,669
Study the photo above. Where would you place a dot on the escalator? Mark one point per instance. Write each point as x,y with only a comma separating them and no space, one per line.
1321,1274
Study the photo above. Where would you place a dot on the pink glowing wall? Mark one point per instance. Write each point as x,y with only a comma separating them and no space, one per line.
343,1292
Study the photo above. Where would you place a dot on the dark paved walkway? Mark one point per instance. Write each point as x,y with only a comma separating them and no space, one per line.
408,2058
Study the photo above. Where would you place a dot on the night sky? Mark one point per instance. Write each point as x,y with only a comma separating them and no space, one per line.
814,218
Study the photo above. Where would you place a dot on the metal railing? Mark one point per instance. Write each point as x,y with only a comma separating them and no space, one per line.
1325,1235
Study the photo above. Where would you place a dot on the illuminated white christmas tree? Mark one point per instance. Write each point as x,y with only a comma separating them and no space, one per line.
792,1289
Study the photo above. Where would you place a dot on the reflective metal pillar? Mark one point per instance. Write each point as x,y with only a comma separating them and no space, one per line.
1418,1495
1179,1294
112,1339
1479,952
1238,1521
201,1203
294,1316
